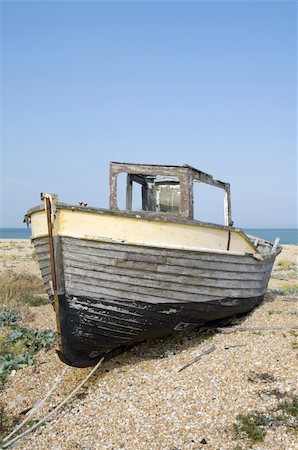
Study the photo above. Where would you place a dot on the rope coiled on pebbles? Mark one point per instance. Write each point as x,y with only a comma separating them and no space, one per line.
38,405
50,414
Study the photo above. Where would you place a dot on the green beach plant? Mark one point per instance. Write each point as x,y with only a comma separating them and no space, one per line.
286,290
8,317
33,339
9,362
17,348
251,427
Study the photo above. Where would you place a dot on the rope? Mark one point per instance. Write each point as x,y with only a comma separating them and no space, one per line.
59,406
38,405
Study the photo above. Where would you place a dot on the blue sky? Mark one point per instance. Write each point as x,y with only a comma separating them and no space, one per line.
211,84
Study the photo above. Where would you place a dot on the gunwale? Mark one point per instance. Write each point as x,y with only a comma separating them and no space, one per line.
149,217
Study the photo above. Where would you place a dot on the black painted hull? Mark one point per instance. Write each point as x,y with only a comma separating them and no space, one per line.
92,328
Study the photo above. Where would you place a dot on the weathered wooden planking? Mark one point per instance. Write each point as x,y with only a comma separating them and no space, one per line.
103,322
96,291
168,289
40,240
44,264
124,322
42,249
183,279
163,268
121,288
99,329
215,257
154,274
46,275
186,284
183,262
119,311
136,314
111,306
111,324
133,252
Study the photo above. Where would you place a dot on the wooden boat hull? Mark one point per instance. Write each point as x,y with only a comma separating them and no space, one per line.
117,277
113,295
106,327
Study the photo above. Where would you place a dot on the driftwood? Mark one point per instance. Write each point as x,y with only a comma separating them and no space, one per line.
290,299
235,346
197,358
52,411
234,330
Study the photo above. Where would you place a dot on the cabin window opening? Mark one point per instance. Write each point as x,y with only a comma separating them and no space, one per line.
121,191
156,193
153,193
167,193
208,203
136,197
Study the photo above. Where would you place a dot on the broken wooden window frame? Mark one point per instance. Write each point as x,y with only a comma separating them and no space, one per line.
186,176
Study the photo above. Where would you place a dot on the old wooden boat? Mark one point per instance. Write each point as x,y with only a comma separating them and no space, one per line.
118,277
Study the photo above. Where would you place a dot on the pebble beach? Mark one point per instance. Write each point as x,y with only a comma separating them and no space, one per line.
140,399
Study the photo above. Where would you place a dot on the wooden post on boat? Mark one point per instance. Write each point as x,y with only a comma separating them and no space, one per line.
227,206
276,242
50,201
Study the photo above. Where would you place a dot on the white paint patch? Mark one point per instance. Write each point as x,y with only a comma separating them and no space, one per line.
170,311
182,326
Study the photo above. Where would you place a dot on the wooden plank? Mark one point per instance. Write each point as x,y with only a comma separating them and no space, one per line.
209,273
95,318
80,243
100,328
124,319
45,271
44,264
40,241
128,291
41,248
43,255
142,255
197,358
122,284
106,293
155,275
117,254
177,270
228,267
183,262
180,279
46,277
43,260
166,289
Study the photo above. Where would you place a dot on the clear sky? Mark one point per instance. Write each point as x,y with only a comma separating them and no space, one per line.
211,84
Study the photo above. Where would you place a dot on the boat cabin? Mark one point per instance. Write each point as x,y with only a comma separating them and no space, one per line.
165,189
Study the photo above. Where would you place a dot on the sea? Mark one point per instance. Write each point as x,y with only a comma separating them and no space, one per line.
286,235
